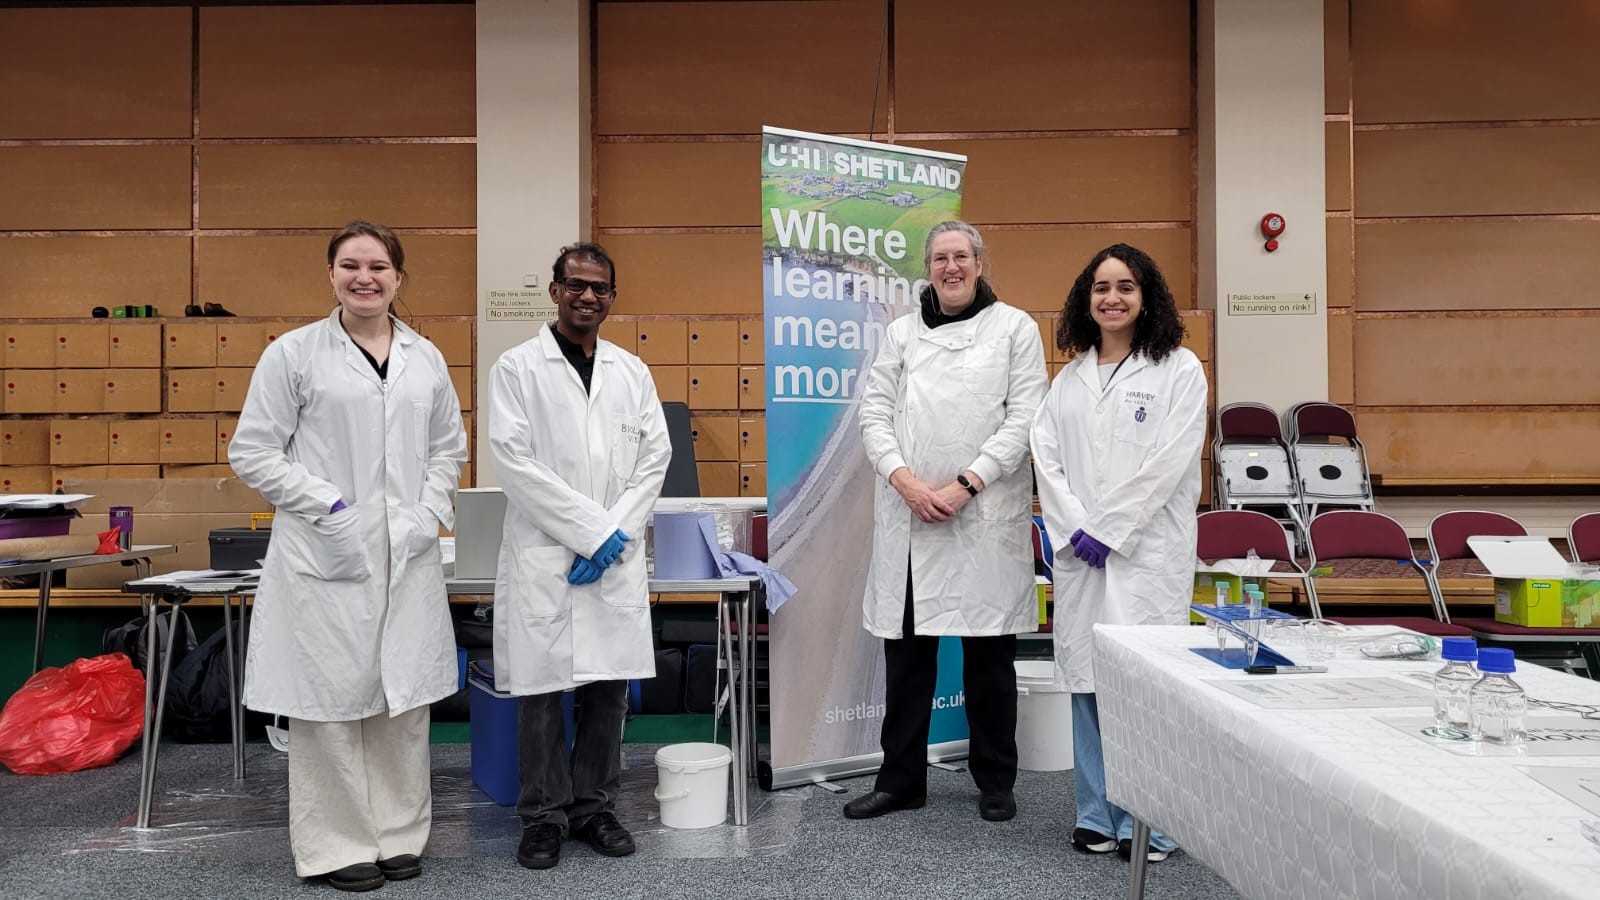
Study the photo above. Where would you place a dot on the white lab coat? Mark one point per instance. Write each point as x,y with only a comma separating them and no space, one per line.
351,617
941,401
1123,465
575,468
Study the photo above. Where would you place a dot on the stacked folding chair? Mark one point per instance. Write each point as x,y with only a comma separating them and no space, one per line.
1251,466
1330,465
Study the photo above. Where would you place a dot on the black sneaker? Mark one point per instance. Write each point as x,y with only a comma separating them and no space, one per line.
605,834
399,868
1085,840
1125,850
359,877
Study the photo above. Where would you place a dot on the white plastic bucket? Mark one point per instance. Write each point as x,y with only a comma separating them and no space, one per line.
692,784
1044,718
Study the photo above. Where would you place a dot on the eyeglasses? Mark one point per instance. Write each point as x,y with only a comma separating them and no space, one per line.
576,287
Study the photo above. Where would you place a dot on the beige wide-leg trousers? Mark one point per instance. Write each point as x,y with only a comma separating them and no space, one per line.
358,791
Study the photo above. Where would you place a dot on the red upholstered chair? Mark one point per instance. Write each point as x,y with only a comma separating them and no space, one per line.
1233,533
1344,539
1447,541
1583,538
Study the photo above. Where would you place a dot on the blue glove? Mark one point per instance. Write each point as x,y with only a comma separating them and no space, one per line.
610,550
1091,551
584,571
337,505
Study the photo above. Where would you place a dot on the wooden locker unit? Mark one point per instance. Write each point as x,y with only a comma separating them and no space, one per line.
225,429
664,342
30,346
713,387
30,391
232,384
672,383
752,342
82,346
191,390
753,439
190,345
240,344
454,340
79,442
134,442
461,378
80,390
718,479
25,480
24,442
752,387
713,342
188,441
132,390
753,479
716,438
134,346
622,332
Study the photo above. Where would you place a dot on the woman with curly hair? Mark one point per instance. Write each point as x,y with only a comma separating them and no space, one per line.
1116,447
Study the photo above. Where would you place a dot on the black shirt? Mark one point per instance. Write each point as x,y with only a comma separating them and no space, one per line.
581,362
381,368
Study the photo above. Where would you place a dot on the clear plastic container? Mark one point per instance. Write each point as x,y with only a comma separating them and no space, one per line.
1452,685
1499,707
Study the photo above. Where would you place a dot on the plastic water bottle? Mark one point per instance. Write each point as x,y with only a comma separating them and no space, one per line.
1452,685
1499,707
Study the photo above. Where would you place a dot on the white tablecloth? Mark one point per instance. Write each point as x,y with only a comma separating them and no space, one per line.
1330,803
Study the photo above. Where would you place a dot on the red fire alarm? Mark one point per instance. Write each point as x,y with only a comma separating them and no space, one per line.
1272,225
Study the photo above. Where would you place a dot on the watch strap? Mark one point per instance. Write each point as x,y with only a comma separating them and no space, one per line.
962,480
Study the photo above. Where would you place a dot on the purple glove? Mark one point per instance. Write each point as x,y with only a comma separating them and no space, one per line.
1091,551
337,505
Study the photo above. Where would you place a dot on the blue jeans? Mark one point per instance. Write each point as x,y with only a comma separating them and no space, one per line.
1095,812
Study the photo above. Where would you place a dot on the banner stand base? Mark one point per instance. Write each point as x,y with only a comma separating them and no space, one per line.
772,779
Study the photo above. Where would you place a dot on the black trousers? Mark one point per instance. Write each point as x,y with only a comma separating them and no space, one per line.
989,680
559,790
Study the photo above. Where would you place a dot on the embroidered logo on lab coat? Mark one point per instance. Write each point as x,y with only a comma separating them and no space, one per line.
1138,414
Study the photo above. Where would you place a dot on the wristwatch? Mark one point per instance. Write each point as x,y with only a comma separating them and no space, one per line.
962,480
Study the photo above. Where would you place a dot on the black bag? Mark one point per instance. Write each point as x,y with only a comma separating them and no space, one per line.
700,678
197,693
663,694
129,639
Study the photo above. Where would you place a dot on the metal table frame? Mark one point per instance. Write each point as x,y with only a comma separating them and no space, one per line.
735,636
176,593
139,556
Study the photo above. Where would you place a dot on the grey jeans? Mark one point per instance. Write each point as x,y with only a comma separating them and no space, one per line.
559,790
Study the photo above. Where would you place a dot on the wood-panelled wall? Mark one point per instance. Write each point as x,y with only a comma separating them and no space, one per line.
1066,153
177,154
1463,217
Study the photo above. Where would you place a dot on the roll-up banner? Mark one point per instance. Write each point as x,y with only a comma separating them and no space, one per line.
842,231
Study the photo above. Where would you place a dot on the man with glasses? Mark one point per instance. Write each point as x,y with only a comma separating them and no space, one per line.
580,445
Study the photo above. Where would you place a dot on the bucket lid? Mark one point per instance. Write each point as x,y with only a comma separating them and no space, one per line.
693,757
1033,672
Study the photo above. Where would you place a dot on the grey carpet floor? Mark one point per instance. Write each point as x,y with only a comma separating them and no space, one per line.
71,836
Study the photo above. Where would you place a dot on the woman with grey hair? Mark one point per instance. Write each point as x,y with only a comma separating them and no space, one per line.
944,419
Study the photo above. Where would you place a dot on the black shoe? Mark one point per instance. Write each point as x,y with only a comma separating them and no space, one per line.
873,804
399,868
1125,850
1085,840
359,877
997,806
193,309
540,847
216,309
605,834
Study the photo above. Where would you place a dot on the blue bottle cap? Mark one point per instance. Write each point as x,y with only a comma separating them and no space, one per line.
1459,649
1497,660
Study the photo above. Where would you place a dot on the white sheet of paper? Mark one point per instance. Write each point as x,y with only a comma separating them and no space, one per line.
1321,692
1547,736
41,501
1580,785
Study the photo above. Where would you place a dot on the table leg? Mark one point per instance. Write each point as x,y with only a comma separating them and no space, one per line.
1139,859
147,745
747,683
727,639
153,735
233,686
39,618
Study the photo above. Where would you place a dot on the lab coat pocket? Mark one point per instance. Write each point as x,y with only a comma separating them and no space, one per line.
625,583
422,529
338,553
984,368
542,580
1138,419
626,431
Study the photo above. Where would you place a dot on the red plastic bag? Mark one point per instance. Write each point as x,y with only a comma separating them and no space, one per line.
77,717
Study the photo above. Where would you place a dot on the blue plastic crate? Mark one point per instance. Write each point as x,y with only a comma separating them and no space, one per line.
493,730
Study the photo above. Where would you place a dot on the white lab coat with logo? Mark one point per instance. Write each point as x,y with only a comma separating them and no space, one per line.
1123,464
941,401
351,617
575,468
